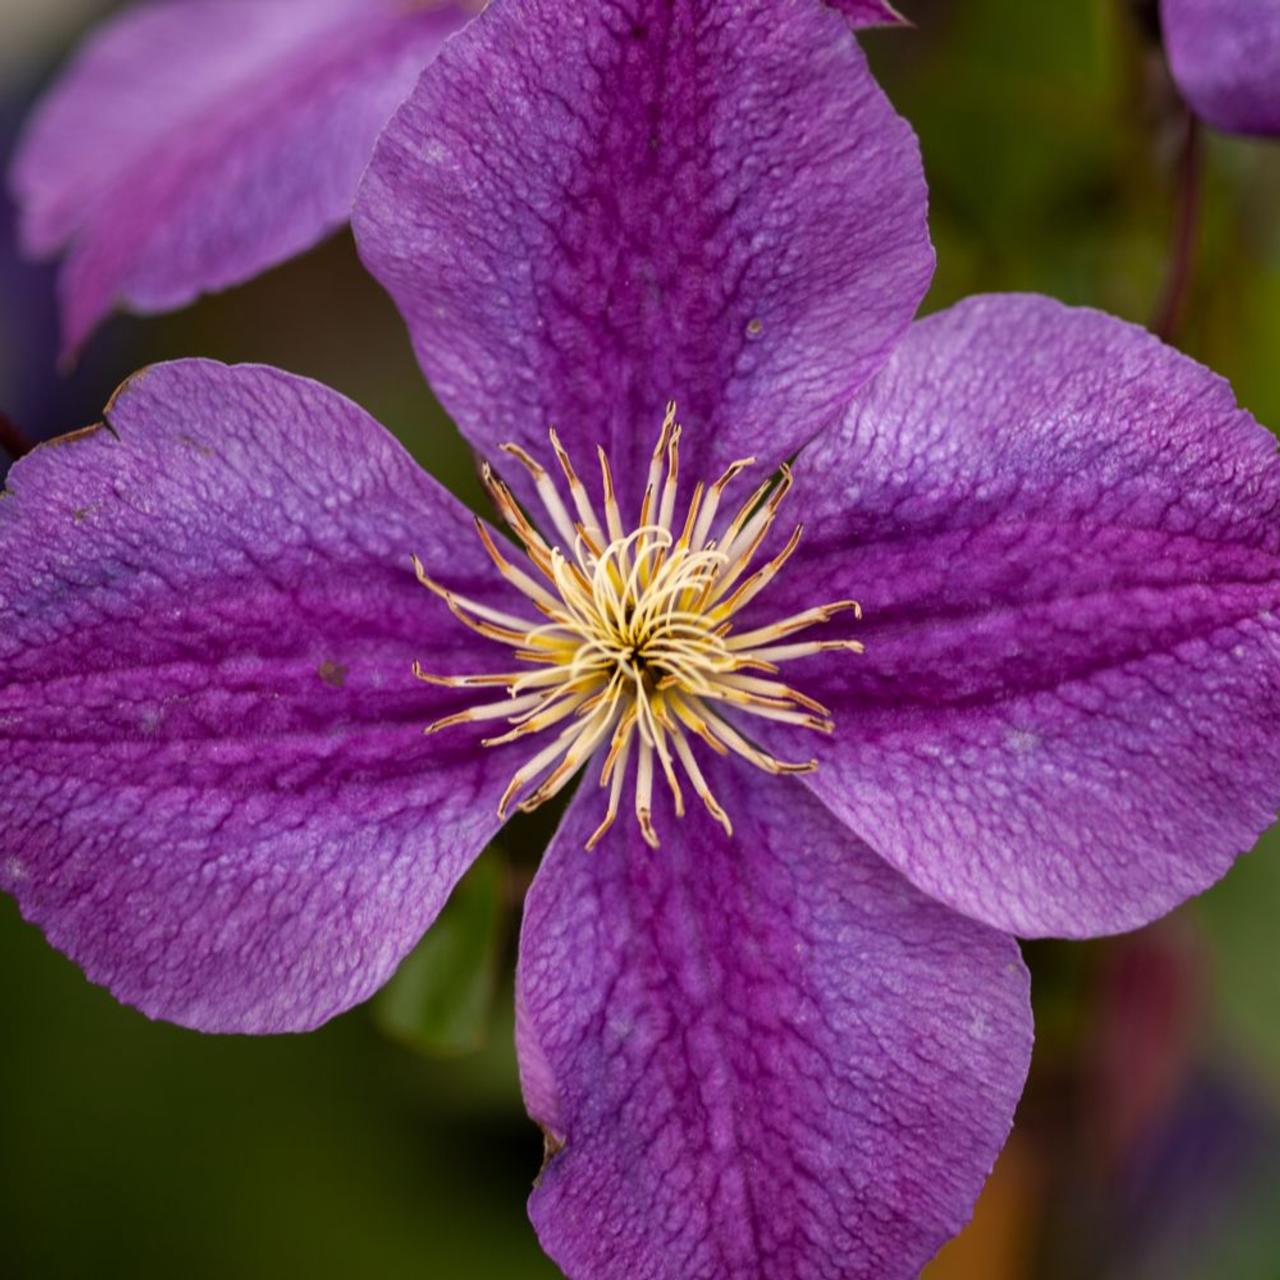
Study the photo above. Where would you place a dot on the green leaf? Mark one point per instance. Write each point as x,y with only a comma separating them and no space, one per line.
1239,915
440,1000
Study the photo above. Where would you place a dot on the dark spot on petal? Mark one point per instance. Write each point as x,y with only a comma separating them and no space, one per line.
333,673
192,442
640,31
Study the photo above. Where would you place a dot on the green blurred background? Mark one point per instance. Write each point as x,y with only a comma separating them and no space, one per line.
392,1143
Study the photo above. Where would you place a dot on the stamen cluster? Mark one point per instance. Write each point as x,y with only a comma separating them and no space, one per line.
634,643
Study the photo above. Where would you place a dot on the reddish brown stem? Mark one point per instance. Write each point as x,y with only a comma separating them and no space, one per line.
1169,315
13,439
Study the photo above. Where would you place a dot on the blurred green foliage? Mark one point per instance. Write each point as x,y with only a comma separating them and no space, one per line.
441,998
1241,917
135,1149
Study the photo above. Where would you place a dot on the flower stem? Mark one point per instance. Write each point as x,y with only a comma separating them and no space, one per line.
1171,312
13,439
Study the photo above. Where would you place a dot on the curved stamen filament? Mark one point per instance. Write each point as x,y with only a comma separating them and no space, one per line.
633,642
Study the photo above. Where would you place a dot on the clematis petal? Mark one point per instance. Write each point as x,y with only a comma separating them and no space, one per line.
1225,57
215,792
584,211
765,1056
190,146
1064,537
868,13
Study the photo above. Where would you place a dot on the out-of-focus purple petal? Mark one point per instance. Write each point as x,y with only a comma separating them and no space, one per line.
190,146
1225,56
586,210
214,789
869,13
1066,539
764,1056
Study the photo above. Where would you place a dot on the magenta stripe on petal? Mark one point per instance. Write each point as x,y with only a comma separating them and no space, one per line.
1066,540
215,794
586,210
765,1056
190,146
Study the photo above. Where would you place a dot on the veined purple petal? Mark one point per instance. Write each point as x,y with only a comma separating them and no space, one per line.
1066,540
868,13
765,1056
1225,56
190,146
586,210
215,792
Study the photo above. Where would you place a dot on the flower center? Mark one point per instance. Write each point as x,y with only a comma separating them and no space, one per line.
634,644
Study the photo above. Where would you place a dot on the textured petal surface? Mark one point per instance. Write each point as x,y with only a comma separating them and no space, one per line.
191,145
586,210
1225,56
766,1057
1065,536
214,789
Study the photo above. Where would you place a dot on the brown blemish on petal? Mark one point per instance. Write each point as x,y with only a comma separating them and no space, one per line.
333,673
202,449
73,437
552,1146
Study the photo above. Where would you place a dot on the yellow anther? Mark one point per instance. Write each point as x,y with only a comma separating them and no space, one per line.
633,644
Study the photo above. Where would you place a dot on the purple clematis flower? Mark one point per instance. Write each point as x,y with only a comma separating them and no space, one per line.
793,1050
1225,57
192,144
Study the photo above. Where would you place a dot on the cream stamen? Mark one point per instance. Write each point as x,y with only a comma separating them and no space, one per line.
634,644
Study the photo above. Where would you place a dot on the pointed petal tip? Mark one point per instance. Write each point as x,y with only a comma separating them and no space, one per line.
862,14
